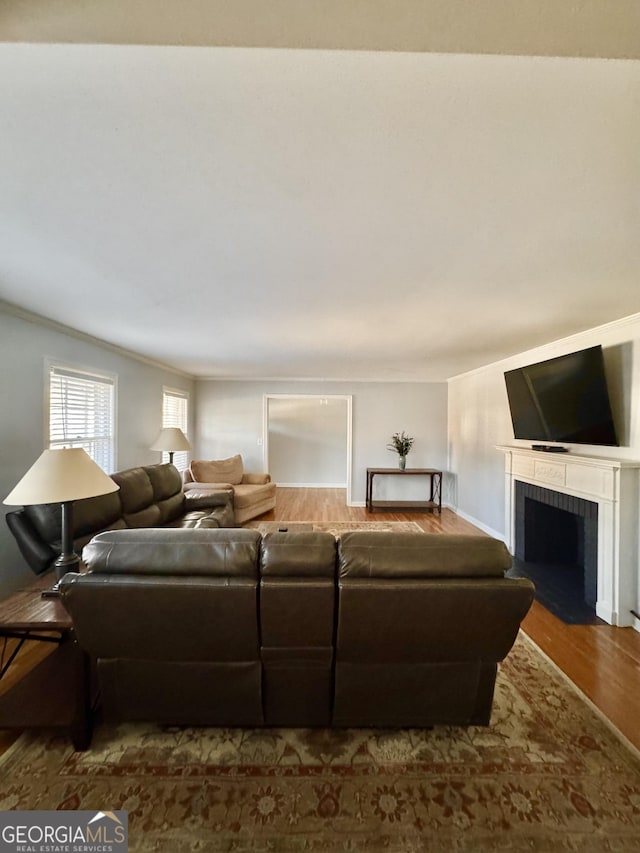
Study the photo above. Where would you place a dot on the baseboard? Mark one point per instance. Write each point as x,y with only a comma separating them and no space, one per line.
445,505
313,486
484,527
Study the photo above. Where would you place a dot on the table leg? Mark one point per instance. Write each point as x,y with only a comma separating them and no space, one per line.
81,727
436,490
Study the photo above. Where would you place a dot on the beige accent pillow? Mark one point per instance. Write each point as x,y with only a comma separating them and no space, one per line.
218,470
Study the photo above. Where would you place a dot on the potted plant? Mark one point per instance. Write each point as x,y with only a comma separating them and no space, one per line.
401,444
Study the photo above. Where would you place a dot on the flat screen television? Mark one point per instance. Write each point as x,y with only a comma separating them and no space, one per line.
564,399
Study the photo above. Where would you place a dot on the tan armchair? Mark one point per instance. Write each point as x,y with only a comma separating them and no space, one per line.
253,493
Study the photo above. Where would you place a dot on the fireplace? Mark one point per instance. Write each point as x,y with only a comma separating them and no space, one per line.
603,495
559,531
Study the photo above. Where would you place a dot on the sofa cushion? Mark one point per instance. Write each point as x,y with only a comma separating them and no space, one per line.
190,519
80,541
301,555
249,495
95,514
380,554
87,516
150,516
171,509
175,551
46,520
165,480
218,470
136,491
206,498
251,478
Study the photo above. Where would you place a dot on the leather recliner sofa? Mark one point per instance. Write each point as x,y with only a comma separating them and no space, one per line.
149,496
225,627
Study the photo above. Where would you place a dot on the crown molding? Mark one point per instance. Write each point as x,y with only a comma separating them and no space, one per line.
31,317
581,28
575,338
322,379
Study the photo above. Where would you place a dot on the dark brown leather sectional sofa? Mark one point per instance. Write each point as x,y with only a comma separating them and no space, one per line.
225,627
149,496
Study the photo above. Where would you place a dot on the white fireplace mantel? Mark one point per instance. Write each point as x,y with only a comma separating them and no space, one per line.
611,483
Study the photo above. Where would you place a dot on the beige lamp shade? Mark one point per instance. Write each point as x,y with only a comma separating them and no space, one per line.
59,476
171,438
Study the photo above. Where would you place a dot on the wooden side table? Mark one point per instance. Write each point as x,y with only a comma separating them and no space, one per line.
435,494
56,692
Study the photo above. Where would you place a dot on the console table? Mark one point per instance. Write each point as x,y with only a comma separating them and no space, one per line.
56,692
435,492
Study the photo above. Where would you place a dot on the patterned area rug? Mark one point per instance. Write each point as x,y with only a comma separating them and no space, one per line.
335,527
547,775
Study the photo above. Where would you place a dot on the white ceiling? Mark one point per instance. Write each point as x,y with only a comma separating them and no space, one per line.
278,213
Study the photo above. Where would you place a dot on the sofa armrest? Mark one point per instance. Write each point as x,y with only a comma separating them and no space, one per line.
195,499
207,487
38,553
252,479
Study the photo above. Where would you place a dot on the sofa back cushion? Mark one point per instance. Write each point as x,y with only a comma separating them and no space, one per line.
170,551
46,520
136,491
436,620
170,595
426,617
87,516
137,495
412,597
165,480
218,470
167,491
147,496
363,554
96,514
298,555
297,590
297,618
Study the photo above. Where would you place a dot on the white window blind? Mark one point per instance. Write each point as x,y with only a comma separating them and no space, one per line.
175,413
81,414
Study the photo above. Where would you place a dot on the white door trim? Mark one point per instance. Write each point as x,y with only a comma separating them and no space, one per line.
265,425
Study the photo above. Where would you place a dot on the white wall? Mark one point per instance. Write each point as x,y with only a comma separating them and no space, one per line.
229,420
479,417
24,347
308,440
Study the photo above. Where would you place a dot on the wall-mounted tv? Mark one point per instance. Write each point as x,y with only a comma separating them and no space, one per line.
564,399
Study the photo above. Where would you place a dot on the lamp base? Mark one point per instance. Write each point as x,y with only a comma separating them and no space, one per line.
66,563
52,591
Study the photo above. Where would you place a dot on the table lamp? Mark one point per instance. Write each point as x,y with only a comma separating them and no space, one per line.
171,439
62,476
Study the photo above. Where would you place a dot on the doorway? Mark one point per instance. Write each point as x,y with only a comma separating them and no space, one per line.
307,440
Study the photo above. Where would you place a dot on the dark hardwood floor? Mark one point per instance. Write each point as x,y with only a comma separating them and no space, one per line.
602,661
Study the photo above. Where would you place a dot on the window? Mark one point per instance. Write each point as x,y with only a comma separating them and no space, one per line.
175,413
82,413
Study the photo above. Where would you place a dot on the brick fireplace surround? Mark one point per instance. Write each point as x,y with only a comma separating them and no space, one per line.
612,485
